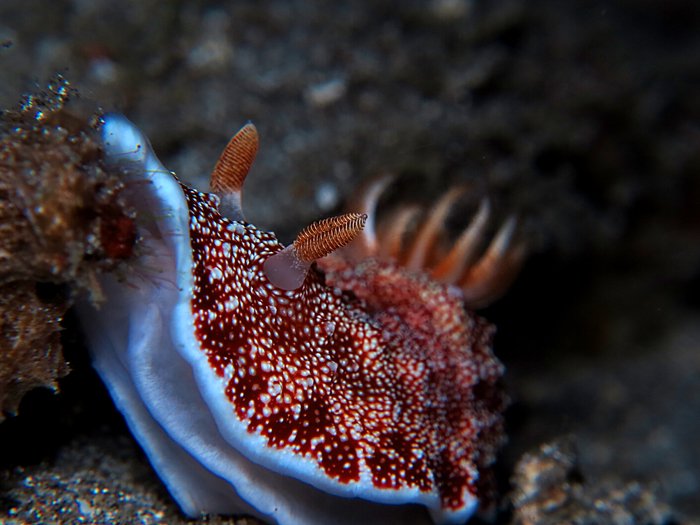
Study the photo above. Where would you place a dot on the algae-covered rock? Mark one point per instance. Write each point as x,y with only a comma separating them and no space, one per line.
61,222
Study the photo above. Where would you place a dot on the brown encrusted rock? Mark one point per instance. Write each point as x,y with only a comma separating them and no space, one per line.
30,346
61,222
549,490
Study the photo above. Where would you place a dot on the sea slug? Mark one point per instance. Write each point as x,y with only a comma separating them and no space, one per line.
338,380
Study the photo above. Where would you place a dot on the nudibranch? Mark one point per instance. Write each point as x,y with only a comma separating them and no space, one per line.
341,379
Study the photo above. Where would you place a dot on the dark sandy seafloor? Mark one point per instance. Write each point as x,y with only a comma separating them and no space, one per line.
582,117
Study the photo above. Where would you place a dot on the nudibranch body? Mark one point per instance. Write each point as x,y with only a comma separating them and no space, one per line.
353,389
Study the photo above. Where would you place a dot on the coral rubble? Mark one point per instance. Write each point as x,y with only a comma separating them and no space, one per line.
549,489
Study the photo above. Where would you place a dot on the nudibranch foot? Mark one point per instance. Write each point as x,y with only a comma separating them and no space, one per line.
361,391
